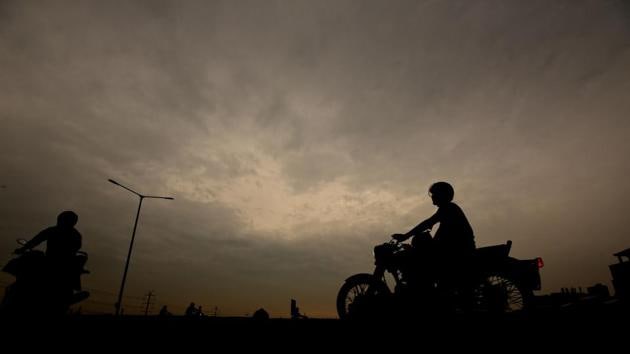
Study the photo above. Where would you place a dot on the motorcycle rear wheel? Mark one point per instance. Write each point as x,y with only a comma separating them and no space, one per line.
499,294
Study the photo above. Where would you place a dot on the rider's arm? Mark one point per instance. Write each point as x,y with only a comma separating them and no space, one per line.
421,227
39,238
425,225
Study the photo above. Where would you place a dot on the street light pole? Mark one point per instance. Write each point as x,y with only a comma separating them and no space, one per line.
124,279
133,237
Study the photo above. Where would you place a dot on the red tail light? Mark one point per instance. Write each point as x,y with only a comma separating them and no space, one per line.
539,262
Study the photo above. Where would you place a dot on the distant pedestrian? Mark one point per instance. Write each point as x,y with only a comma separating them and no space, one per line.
191,310
164,312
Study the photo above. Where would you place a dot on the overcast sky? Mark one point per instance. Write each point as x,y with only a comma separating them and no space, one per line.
296,135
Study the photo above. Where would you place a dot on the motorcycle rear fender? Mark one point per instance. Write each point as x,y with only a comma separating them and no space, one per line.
525,272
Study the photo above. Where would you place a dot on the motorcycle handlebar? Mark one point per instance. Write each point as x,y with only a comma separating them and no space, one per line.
23,242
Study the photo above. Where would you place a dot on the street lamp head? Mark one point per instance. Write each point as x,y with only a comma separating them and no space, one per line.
127,188
157,197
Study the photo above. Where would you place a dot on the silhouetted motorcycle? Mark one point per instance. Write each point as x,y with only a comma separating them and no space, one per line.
495,283
41,287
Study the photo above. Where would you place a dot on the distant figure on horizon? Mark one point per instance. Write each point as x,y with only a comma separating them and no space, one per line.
260,315
200,312
164,311
295,311
63,242
191,310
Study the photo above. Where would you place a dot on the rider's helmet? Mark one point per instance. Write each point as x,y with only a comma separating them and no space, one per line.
441,192
67,218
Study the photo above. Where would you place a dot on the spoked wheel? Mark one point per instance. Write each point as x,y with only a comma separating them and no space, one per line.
362,296
499,294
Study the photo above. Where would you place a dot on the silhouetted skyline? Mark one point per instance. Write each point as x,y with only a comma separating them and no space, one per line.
296,135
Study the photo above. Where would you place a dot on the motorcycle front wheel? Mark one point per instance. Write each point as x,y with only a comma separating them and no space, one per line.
362,297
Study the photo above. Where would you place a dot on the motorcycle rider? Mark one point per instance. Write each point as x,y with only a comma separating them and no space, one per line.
62,243
62,240
453,245
454,235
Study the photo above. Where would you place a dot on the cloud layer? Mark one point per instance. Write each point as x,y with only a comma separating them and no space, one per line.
297,135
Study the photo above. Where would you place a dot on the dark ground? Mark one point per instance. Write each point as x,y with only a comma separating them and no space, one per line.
589,327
